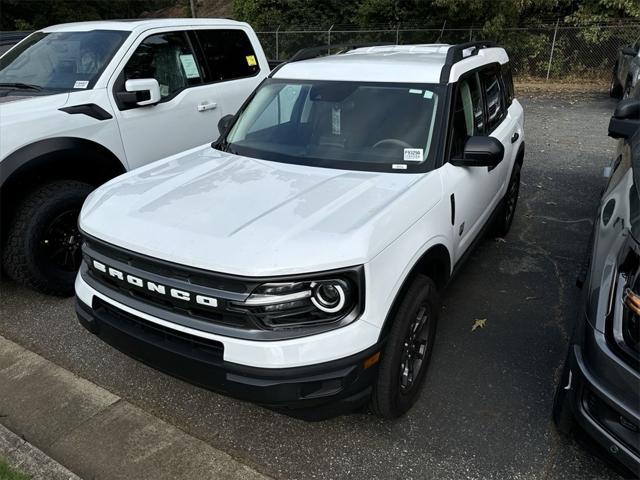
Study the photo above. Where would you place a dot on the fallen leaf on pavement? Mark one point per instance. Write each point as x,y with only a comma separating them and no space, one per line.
479,323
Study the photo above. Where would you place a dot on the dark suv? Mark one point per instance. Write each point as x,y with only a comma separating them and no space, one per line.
600,385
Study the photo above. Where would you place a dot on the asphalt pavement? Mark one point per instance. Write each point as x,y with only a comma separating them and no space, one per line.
485,409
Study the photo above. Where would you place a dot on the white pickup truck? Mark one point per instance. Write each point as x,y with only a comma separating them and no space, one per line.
84,102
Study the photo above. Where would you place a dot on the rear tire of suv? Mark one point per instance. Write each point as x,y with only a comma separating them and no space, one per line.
42,250
507,209
407,352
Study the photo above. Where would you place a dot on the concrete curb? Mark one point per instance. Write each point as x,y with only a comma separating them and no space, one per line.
26,458
96,433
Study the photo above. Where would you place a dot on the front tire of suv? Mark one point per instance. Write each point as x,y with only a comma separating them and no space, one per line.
507,209
42,250
408,349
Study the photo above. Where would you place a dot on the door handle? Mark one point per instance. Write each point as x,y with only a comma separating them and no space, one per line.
515,137
203,107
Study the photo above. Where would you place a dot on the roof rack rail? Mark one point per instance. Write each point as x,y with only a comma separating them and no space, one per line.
314,52
456,53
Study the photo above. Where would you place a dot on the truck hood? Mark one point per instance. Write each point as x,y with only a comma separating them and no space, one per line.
12,104
243,216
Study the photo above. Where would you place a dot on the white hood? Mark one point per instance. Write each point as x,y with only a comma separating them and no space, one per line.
243,216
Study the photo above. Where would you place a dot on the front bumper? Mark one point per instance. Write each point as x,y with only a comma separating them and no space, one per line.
602,402
312,392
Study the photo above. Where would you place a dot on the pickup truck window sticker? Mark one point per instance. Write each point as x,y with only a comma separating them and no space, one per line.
189,66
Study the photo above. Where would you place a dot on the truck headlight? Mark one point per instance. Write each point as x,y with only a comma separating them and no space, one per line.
305,303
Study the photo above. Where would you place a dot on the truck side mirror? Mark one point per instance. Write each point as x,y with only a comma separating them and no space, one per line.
625,120
480,151
140,92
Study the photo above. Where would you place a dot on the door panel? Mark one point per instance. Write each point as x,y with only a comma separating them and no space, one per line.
187,114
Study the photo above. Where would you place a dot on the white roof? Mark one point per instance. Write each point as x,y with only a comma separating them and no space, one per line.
140,24
394,63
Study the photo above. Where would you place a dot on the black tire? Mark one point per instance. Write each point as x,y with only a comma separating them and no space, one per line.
615,89
42,250
393,392
507,210
562,412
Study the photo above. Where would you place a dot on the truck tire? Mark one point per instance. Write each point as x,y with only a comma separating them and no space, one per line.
405,358
42,250
507,210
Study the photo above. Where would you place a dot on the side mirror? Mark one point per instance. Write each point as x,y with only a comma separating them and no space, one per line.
625,120
224,123
480,151
632,52
140,92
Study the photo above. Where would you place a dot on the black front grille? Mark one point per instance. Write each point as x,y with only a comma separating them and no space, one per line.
162,268
223,289
158,335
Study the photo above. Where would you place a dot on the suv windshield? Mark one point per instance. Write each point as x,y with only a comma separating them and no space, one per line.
351,125
60,60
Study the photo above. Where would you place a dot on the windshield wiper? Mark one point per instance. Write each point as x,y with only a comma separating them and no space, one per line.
21,86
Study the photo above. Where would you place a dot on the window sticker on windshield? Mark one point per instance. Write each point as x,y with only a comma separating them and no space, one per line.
413,154
335,120
189,66
428,94
399,166
413,90
81,84
164,90
251,60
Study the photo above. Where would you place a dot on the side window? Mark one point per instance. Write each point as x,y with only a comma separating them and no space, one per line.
468,113
495,98
507,79
228,54
168,58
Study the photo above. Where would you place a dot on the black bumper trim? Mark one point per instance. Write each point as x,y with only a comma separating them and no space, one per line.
311,392
583,384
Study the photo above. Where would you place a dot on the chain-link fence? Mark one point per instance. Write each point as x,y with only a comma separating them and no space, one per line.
553,52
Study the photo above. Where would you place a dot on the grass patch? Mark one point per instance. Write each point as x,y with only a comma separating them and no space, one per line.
8,473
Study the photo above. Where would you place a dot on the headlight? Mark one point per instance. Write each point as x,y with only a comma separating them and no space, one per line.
305,303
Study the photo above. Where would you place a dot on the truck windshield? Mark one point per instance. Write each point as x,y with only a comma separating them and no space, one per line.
350,125
59,60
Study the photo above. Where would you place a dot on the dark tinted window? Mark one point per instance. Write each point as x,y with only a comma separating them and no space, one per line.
495,98
168,58
228,54
468,114
507,78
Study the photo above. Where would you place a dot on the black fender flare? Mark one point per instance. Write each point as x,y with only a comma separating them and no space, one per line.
38,151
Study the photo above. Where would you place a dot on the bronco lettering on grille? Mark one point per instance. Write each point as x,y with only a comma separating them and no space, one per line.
156,288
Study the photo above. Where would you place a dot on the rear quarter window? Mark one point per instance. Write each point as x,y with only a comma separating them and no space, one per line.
227,54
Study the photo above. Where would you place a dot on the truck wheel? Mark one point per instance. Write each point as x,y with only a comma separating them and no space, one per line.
615,89
42,250
407,352
507,209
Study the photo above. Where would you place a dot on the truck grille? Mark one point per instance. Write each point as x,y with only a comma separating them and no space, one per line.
177,290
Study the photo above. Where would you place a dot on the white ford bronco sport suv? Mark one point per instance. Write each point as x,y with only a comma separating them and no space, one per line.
298,263
82,103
